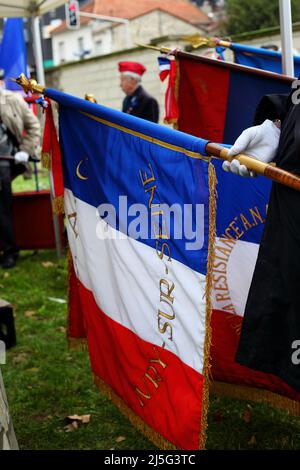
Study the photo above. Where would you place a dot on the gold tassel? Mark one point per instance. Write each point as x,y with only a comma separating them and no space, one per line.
135,420
58,205
243,392
177,82
212,180
46,160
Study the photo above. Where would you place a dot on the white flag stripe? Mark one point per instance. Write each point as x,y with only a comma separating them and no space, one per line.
164,67
239,271
125,277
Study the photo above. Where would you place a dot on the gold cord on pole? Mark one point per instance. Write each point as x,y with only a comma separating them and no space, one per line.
29,85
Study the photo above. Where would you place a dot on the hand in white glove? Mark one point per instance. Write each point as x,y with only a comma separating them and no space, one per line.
21,157
260,142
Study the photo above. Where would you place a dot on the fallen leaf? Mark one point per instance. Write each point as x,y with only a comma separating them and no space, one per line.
62,329
47,264
71,427
252,441
29,313
120,439
84,419
247,415
33,370
5,275
1,286
20,357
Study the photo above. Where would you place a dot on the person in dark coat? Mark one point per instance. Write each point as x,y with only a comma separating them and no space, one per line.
137,101
19,134
270,337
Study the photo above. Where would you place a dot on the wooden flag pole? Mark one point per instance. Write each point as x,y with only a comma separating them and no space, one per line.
266,169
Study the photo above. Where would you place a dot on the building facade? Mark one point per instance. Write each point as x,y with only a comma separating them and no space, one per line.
139,22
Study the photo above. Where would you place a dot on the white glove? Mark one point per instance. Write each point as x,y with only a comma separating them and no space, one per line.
21,157
260,142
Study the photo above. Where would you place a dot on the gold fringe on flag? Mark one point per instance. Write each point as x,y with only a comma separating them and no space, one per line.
58,205
135,420
243,392
46,160
177,82
212,181
77,344
171,121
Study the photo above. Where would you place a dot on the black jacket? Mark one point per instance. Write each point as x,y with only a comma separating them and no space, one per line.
271,326
142,105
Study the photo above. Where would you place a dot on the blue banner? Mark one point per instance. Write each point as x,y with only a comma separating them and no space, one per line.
261,58
13,52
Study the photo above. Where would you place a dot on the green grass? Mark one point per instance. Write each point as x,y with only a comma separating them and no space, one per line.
45,382
20,184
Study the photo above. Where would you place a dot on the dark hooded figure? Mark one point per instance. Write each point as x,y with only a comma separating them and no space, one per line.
270,337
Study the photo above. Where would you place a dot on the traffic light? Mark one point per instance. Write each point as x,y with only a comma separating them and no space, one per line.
72,14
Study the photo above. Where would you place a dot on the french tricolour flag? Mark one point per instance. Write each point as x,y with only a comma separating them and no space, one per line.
142,280
164,65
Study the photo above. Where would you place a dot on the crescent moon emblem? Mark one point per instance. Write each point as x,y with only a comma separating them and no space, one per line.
80,176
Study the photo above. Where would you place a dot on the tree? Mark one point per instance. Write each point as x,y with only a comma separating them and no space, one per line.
250,15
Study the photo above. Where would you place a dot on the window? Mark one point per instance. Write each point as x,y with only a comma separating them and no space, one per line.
98,47
61,51
81,45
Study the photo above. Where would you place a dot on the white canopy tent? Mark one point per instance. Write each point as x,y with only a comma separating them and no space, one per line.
31,9
27,8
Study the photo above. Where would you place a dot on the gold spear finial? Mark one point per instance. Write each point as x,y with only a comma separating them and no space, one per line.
90,97
199,41
162,49
29,84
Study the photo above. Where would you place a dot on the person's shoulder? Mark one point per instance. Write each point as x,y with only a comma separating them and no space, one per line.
7,94
13,96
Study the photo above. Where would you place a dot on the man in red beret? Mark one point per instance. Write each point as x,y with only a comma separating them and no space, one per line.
137,101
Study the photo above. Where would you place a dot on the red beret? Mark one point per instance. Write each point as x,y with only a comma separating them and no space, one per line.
133,67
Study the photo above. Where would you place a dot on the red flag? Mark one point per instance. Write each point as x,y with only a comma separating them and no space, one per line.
217,101
51,158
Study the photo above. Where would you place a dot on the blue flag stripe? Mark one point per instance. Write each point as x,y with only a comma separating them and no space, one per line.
103,163
263,59
167,135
